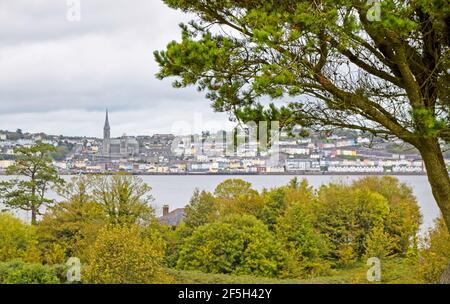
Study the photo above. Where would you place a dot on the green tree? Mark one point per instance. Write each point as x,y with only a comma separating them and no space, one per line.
124,255
200,210
303,242
69,229
233,189
274,205
379,243
175,239
125,198
17,240
404,218
29,194
236,196
78,189
346,255
341,65
91,202
346,216
300,193
237,244
372,211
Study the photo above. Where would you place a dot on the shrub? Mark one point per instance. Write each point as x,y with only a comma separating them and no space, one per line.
378,243
346,255
68,230
174,239
404,218
304,244
18,272
435,257
275,205
123,255
17,240
350,215
346,216
235,245
200,210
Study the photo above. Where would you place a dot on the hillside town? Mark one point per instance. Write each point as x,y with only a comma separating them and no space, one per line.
341,152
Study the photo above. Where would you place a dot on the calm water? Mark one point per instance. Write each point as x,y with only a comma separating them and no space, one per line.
176,190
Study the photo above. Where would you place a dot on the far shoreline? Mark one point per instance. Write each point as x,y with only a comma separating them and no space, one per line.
249,174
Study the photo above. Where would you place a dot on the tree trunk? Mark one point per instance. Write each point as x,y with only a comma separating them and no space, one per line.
445,279
33,207
440,184
33,217
437,176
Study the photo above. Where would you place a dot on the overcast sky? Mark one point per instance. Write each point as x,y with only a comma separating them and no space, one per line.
58,76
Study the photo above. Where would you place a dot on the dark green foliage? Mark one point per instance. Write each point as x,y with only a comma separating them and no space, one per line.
200,210
236,245
18,272
334,227
405,218
348,215
304,243
274,205
17,240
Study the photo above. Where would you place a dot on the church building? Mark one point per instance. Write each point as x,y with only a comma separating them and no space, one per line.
124,146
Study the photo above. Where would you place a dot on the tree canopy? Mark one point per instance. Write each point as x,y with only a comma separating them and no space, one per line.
30,193
378,67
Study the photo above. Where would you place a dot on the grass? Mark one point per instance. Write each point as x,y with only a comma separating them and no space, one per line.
394,271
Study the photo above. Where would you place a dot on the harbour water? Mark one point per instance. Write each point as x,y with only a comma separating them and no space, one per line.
176,190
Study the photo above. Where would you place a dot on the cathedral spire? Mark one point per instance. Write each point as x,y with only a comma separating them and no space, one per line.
106,136
107,120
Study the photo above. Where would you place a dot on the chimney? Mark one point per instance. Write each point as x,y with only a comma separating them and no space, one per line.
165,210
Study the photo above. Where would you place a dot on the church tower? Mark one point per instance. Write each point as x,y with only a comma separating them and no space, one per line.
106,136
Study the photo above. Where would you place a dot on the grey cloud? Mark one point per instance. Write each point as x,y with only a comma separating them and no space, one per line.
39,20
50,65
132,122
